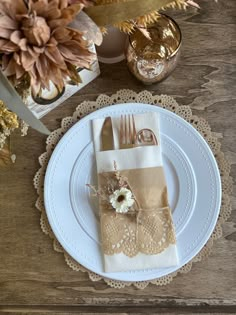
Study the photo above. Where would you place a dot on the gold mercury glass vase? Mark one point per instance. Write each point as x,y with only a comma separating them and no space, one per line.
152,60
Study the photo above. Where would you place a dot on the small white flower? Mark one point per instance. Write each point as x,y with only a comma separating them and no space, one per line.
121,200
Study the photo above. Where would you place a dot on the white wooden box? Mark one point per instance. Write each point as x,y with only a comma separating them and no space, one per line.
51,99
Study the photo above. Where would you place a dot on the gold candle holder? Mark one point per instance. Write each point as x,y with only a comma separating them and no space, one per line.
152,60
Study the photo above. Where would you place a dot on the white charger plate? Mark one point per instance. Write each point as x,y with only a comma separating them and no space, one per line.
193,181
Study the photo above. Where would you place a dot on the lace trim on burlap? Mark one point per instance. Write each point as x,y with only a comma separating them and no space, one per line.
148,232
146,227
167,102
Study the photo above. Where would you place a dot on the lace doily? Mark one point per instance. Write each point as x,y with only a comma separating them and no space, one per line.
167,102
147,226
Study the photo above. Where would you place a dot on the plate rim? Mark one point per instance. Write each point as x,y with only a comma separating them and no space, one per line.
148,108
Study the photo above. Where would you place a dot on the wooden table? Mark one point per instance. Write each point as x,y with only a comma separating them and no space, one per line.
35,278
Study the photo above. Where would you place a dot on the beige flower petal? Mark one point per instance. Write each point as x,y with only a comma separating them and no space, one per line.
55,56
67,16
75,50
75,60
54,75
38,50
27,60
18,7
13,68
8,23
50,73
42,66
52,42
53,14
48,10
33,52
72,10
63,4
57,78
23,44
16,36
67,53
5,33
38,6
61,34
43,71
34,83
19,72
10,68
7,47
16,57
11,8
19,69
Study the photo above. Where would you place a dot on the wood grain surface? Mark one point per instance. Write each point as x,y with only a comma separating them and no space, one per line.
35,279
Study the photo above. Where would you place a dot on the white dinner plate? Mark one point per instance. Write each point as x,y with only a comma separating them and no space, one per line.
193,181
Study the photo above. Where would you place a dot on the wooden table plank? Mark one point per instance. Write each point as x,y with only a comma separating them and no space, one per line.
35,278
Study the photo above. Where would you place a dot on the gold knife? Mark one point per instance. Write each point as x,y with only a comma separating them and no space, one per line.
107,135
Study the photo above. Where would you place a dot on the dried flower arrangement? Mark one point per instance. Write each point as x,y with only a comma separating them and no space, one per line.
9,121
116,194
46,41
38,46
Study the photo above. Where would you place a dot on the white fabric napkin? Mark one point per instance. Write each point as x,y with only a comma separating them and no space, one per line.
138,157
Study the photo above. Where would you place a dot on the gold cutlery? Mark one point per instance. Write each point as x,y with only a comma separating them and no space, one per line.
129,138
127,132
146,137
107,135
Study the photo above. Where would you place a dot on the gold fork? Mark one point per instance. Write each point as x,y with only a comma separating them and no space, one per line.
127,132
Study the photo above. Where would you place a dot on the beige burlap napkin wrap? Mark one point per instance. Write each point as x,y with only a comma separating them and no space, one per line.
143,237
